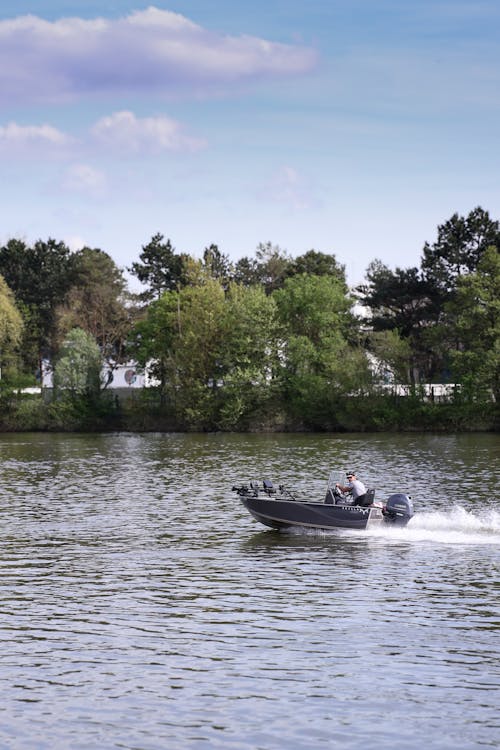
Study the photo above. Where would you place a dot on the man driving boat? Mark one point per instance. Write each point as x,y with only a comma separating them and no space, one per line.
354,487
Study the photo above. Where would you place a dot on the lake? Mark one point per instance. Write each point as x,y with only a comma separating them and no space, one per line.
143,608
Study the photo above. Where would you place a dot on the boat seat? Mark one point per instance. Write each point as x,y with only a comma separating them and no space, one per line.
366,499
268,487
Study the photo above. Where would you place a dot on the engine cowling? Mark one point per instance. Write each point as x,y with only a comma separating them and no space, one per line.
398,509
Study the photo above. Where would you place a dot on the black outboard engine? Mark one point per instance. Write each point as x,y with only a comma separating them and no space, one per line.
399,509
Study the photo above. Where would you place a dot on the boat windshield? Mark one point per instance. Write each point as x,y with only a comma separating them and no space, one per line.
336,476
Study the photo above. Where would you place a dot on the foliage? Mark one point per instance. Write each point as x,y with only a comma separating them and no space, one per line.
396,299
318,364
392,354
11,324
217,265
194,367
249,355
246,272
475,314
161,268
314,263
268,342
417,302
96,303
269,267
78,367
213,353
40,277
152,338
460,244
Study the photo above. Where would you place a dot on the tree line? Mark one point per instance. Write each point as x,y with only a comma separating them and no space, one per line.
267,342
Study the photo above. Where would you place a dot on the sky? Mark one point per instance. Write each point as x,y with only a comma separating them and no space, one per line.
352,127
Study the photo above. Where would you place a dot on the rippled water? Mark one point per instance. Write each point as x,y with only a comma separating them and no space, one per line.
142,607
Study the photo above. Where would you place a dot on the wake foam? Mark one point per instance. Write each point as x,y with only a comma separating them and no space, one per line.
456,526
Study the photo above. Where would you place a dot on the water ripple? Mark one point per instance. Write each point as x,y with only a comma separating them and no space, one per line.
143,608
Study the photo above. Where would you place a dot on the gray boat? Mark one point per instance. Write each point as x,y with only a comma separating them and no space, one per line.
278,508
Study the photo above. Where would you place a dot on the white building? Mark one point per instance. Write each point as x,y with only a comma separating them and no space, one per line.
123,376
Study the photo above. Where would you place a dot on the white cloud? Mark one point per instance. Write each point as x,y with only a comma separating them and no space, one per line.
121,132
124,131
13,134
150,50
84,178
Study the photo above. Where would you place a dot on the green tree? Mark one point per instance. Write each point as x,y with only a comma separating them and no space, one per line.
195,368
96,303
161,267
315,263
475,316
400,301
319,366
396,299
272,265
393,356
40,277
217,265
11,325
77,370
246,271
269,268
248,356
214,352
460,243
152,340
315,307
413,301
455,255
180,341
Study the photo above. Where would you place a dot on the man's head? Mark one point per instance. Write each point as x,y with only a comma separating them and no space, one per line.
350,475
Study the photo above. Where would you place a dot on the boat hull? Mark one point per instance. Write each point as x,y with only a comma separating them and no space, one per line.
279,514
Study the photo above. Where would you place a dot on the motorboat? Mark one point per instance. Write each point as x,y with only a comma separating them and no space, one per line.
279,507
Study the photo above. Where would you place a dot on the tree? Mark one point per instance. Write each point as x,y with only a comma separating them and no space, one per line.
475,316
314,306
246,272
215,353
393,356
400,301
96,302
396,299
217,265
77,370
180,341
460,243
11,324
152,339
160,267
40,277
318,364
269,267
272,266
317,264
456,254
249,355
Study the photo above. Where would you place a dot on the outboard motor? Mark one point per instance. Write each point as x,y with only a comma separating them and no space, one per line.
399,509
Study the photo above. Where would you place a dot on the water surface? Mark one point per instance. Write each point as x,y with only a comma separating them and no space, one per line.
143,608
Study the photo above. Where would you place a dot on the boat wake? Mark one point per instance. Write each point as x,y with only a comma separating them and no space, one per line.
455,526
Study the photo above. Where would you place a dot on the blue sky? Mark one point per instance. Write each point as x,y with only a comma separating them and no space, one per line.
349,126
